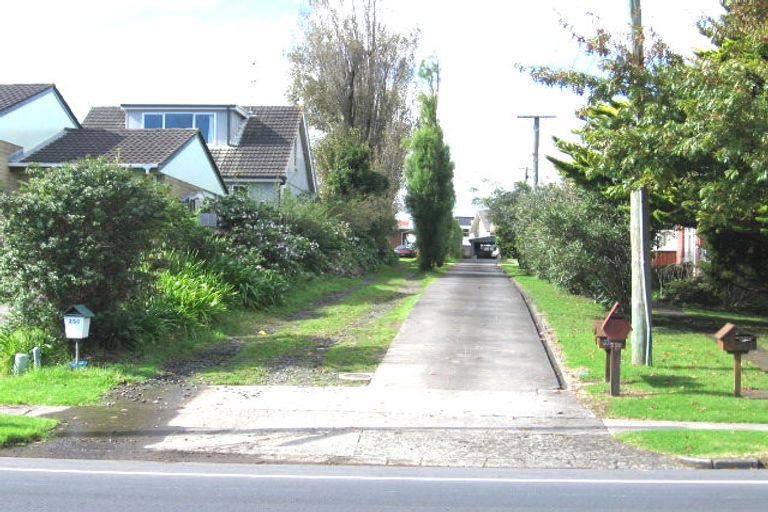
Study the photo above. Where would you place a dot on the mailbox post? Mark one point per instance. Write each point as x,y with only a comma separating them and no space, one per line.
733,343
611,336
77,324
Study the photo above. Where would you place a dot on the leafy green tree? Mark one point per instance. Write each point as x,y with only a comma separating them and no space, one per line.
352,72
429,178
350,173
76,234
694,136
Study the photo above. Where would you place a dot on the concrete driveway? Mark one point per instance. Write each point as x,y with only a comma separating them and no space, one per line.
466,383
470,331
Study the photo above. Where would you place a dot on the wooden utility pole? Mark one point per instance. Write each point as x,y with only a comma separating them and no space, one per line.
641,341
535,146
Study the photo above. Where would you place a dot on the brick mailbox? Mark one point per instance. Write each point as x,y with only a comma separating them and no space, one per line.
736,344
611,336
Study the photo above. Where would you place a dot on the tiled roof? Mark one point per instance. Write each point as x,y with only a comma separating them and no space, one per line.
109,118
264,146
11,94
127,146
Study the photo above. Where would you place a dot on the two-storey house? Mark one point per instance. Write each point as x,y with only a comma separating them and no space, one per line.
263,151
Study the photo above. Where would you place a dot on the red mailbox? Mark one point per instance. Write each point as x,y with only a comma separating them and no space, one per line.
611,336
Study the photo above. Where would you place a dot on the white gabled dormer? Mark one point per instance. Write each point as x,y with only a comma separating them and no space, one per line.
220,125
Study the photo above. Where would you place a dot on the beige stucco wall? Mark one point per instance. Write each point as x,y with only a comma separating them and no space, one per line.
9,180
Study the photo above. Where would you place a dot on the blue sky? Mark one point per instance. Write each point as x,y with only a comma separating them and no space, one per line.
109,52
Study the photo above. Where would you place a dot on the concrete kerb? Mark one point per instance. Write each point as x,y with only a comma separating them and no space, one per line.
566,380
546,339
31,410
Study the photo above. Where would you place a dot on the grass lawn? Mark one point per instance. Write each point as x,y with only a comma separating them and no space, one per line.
691,378
313,347
59,385
20,429
701,443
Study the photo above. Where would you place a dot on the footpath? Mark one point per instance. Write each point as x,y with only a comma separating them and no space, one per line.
466,382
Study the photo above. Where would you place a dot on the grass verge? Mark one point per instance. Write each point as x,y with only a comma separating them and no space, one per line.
701,443
691,378
60,385
22,429
314,346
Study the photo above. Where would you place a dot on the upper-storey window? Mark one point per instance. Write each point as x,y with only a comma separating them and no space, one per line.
203,122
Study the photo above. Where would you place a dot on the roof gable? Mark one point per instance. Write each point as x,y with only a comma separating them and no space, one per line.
13,94
264,146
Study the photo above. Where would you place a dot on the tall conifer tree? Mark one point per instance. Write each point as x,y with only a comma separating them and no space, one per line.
429,177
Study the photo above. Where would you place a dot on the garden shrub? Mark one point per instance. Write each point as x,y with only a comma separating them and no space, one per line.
263,230
255,286
307,235
76,234
574,239
736,267
371,222
349,249
693,291
190,292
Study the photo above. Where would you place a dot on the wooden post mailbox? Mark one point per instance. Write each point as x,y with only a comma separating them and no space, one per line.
611,336
734,343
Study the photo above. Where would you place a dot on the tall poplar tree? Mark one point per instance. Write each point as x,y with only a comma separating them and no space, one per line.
429,178
353,76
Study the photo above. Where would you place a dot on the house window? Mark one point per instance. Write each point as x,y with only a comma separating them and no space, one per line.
203,122
153,120
239,189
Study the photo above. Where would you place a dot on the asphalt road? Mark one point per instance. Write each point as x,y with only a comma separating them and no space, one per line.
90,486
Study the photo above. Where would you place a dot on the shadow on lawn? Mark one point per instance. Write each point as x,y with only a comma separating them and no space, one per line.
705,323
667,381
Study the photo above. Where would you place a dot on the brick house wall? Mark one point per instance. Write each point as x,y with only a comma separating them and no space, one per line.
9,180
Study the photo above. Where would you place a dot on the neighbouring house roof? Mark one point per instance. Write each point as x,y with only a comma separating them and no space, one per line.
464,221
144,147
12,94
264,146
109,118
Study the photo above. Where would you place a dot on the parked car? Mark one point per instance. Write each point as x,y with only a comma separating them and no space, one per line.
405,251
